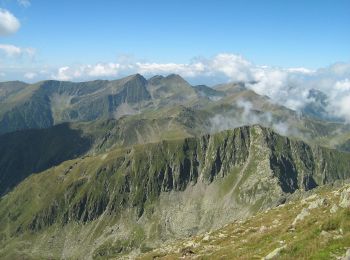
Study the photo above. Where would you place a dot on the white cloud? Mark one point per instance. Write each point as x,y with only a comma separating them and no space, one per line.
343,107
234,66
98,70
186,70
101,70
301,70
339,96
63,74
343,85
30,75
24,3
9,24
12,50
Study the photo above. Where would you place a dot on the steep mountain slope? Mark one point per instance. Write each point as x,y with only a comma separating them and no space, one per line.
154,125
225,106
50,102
113,203
25,152
172,88
10,88
293,230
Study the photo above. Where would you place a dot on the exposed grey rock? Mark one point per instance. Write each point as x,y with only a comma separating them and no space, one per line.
206,238
275,253
325,233
311,197
317,203
334,209
222,235
347,255
337,237
304,213
345,198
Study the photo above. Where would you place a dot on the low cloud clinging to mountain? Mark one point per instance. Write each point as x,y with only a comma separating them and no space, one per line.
286,86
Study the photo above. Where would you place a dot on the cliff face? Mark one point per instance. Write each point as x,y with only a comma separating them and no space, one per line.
134,198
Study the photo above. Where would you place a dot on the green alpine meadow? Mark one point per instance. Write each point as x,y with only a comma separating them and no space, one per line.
149,130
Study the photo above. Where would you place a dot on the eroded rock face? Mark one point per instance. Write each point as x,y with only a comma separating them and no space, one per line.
149,193
303,214
275,253
347,255
344,201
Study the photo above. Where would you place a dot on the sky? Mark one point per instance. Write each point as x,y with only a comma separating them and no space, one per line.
205,41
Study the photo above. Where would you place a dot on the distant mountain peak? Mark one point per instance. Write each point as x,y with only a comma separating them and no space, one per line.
156,77
136,76
171,78
176,77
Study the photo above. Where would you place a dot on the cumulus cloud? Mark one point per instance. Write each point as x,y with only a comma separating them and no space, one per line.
233,67
13,51
98,70
30,75
186,70
9,24
339,97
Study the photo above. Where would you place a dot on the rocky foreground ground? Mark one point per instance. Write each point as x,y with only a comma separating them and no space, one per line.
313,226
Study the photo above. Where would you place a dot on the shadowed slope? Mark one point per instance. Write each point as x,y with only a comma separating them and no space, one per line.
25,152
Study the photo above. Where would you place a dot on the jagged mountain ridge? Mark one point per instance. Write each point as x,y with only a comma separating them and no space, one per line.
179,111
131,198
50,102
46,103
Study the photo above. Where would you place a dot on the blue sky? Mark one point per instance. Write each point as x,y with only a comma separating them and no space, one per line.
61,34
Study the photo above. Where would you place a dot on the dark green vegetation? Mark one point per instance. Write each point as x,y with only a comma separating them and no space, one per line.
31,151
107,169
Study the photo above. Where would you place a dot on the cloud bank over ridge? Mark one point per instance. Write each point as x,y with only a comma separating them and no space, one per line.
286,86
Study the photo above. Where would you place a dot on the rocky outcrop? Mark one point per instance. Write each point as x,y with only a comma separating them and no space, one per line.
153,192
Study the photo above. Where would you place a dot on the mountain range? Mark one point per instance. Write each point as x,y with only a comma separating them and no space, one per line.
111,169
